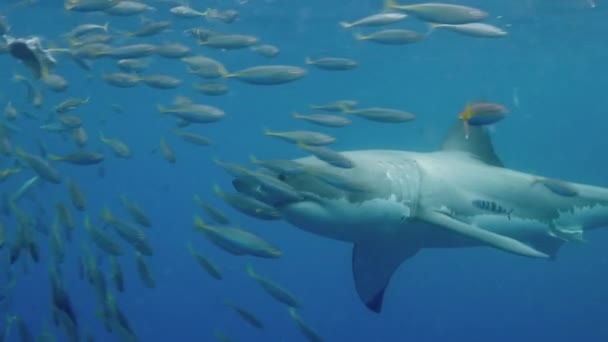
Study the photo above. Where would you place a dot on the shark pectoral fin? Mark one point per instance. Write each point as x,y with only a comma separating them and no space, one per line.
487,237
374,263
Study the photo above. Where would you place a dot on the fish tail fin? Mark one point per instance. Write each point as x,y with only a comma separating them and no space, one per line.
106,26
20,152
254,159
296,115
102,137
87,222
224,72
345,24
308,60
218,191
250,271
198,222
391,4
162,109
106,214
268,132
55,157
360,37
190,248
17,77
431,28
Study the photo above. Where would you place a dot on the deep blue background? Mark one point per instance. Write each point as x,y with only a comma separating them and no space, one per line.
550,71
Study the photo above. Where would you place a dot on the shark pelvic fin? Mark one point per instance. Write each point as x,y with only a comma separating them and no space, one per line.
478,143
489,238
374,263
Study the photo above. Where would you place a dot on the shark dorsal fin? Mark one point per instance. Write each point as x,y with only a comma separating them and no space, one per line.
478,144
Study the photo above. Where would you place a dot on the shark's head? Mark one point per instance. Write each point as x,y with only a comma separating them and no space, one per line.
346,204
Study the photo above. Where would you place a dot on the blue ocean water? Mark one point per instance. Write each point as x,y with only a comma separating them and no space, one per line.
549,71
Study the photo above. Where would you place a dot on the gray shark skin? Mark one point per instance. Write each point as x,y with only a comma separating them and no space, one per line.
460,196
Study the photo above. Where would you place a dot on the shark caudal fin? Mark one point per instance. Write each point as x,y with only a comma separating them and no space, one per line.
374,263
478,144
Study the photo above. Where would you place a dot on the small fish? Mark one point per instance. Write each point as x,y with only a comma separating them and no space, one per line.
229,41
143,270
274,290
478,30
392,37
266,50
116,275
194,113
2,235
246,315
136,212
160,81
379,19
192,138
227,16
280,166
386,115
70,121
80,136
85,29
121,79
117,146
557,187
307,331
304,137
166,151
329,156
89,5
129,65
150,29
269,74
80,158
440,12
216,215
325,120
248,205
128,231
41,166
205,263
128,8
237,241
131,51
333,63
204,67
70,104
211,89
77,195
6,173
83,44
336,106
173,50
220,336
186,12
481,114
10,112
55,82
102,239
65,218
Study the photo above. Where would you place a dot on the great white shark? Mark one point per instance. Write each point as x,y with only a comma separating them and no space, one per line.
457,197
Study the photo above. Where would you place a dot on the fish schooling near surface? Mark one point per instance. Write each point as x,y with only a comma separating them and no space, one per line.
393,203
